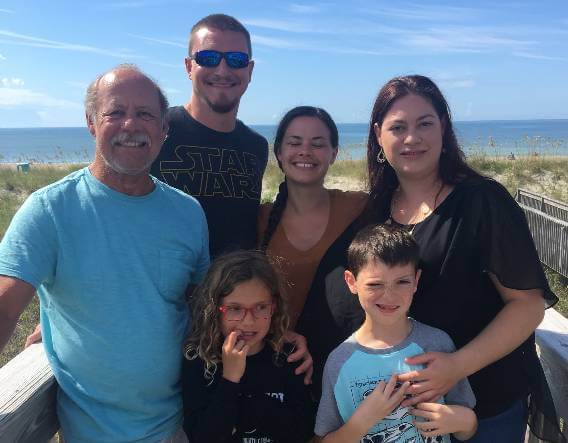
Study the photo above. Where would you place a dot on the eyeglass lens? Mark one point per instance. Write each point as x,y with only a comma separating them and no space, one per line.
237,313
211,58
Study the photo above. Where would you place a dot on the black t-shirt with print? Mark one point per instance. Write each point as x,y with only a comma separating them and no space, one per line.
223,171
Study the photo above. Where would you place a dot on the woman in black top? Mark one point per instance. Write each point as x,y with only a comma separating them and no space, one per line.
482,281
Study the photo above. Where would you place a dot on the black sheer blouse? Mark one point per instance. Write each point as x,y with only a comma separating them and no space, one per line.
478,229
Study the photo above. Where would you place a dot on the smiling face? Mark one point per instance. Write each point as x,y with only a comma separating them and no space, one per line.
128,126
218,88
249,295
385,292
306,151
411,137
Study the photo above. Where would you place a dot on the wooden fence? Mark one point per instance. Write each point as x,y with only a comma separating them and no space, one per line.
548,222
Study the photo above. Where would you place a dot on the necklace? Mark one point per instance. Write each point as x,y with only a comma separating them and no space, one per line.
423,212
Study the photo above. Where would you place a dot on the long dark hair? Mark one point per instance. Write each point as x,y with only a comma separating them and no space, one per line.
382,177
282,196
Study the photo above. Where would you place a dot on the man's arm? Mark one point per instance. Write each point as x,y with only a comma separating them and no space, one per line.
15,295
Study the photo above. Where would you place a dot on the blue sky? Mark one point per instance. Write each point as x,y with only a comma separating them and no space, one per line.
493,60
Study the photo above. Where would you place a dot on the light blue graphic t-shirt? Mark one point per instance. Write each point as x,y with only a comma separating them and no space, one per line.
352,371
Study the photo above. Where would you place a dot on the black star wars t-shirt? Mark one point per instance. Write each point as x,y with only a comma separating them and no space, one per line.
223,171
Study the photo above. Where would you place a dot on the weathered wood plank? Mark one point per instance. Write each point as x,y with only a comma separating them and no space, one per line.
27,398
552,344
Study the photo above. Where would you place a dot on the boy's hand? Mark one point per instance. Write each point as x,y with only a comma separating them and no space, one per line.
234,355
445,419
435,380
301,353
381,402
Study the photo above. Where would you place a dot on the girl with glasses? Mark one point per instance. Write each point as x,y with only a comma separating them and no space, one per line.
237,384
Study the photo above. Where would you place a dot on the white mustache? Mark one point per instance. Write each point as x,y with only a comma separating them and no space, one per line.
126,137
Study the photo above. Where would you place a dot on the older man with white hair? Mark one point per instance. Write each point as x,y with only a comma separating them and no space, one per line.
111,252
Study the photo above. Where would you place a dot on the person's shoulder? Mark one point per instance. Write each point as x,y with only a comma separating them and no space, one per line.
247,131
343,350
62,186
484,193
354,199
177,195
177,114
264,210
431,335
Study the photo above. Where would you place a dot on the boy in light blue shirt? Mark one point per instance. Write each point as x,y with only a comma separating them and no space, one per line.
360,395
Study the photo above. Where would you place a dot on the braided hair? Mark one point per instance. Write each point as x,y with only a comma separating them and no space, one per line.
281,198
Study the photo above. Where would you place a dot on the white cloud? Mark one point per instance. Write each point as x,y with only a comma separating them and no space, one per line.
303,9
177,44
7,11
274,42
278,25
12,82
463,40
539,56
16,97
77,85
426,12
14,38
2,57
173,91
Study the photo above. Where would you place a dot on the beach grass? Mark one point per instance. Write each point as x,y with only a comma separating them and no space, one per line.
541,174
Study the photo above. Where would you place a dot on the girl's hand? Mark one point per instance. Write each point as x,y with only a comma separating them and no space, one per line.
441,373
445,419
381,402
234,355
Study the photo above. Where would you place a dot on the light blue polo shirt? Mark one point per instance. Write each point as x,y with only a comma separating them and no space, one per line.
111,272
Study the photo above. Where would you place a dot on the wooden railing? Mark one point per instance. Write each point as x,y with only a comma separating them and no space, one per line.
548,222
27,398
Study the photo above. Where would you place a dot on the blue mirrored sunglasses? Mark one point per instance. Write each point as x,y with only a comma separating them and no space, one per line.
210,58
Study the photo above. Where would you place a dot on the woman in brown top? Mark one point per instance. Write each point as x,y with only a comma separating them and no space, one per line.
305,218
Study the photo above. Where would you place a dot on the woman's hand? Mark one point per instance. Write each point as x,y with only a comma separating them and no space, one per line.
441,373
445,419
301,352
234,355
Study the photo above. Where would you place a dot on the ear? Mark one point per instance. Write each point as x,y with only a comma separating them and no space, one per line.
250,68
377,130
187,62
351,281
90,125
165,129
417,279
334,155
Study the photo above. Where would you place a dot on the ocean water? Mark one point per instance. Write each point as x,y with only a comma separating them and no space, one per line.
496,137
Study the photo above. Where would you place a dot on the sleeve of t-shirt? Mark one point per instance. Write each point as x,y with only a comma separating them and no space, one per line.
203,260
210,415
328,418
433,339
507,248
28,250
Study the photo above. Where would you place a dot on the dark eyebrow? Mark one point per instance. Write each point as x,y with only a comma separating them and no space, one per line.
426,116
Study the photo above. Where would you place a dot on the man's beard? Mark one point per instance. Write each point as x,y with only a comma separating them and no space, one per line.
222,108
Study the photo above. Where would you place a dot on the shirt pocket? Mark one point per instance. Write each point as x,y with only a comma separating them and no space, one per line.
176,269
